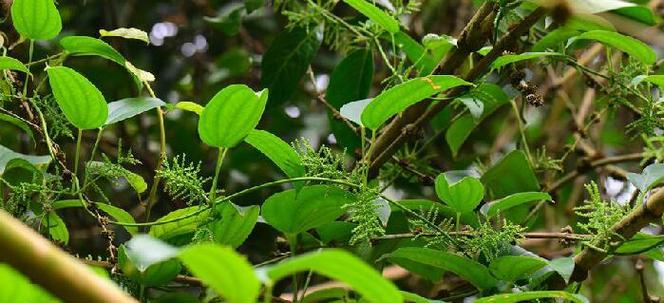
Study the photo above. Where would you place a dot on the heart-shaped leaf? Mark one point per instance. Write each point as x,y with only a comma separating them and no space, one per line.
80,101
235,224
463,196
36,19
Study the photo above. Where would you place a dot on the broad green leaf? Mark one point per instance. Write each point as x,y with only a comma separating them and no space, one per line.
499,206
225,271
148,261
532,295
396,99
415,52
640,243
521,176
352,111
651,176
282,154
462,196
438,45
196,216
414,298
509,59
639,13
190,107
654,79
7,155
20,124
342,266
235,224
89,46
229,19
82,103
129,107
295,211
375,14
287,60
350,81
231,114
471,271
20,170
144,250
57,228
117,213
487,98
36,19
135,181
512,268
14,287
12,64
127,33
633,47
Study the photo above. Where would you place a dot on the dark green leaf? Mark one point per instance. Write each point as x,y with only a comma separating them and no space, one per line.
532,295
6,155
462,196
18,123
82,103
512,268
36,19
521,176
129,107
196,217
56,227
499,206
148,261
235,225
89,46
117,213
640,243
509,59
282,154
635,48
375,14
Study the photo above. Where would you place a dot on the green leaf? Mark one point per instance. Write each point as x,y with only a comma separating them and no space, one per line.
635,48
229,19
286,61
57,228
532,295
148,261
20,170
415,52
13,64
509,59
139,74
396,99
136,181
512,268
640,243
340,265
654,79
82,103
325,295
375,14
352,111
295,211
490,97
639,13
235,225
190,107
228,273
129,107
651,176
471,271
20,124
350,81
521,176
89,46
231,114
499,206
463,196
127,33
36,19
7,155
196,217
282,154
117,213
14,287
411,297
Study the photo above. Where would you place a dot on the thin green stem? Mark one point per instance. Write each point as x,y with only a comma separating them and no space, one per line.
217,170
152,198
292,243
78,151
27,77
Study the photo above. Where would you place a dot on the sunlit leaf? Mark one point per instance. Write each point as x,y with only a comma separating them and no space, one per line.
89,46
36,19
633,47
463,196
280,152
375,14
127,33
80,101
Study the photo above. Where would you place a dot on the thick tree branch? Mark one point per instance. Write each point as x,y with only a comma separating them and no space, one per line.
56,271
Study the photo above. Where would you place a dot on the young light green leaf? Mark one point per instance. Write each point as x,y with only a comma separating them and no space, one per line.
352,111
375,14
129,107
190,107
340,265
633,47
640,243
89,46
282,154
231,114
651,176
509,59
144,251
350,80
80,101
463,196
7,155
472,271
400,97
127,33
36,19
496,207
286,60
532,295
195,217
235,225
14,287
56,227
228,273
295,211
139,74
117,213
512,268
12,64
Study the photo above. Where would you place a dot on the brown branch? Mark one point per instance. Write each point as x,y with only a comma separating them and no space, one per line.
56,271
478,30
